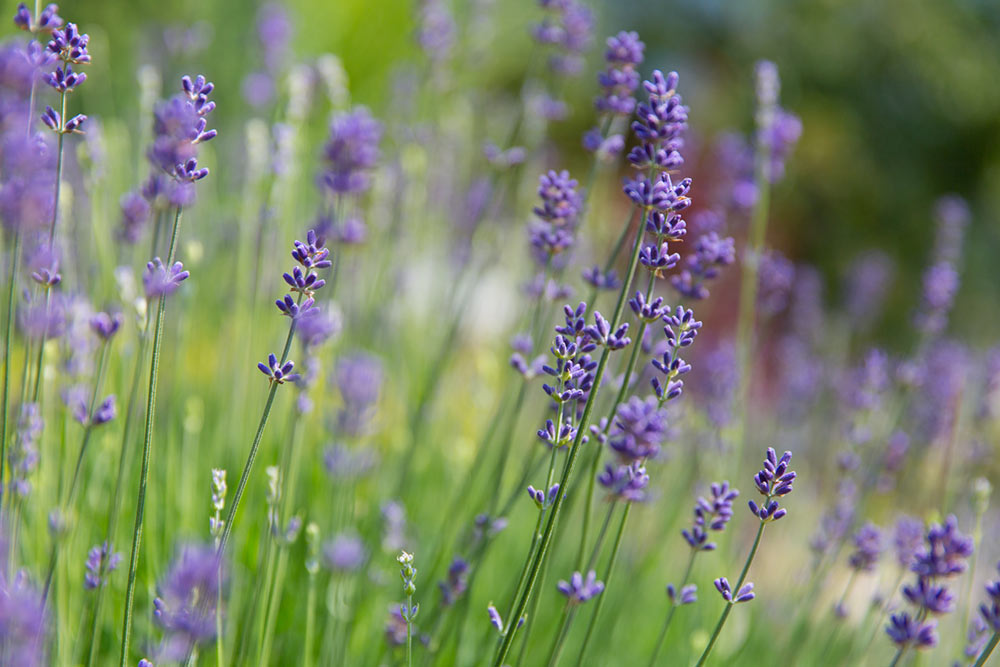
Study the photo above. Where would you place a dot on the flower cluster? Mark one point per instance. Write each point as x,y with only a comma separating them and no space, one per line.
179,128
745,594
773,481
185,607
456,583
625,482
680,329
407,573
868,546
351,152
568,27
100,563
47,21
711,514
557,217
943,555
711,253
578,590
618,82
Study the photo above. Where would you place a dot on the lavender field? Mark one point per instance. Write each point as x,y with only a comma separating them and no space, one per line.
498,332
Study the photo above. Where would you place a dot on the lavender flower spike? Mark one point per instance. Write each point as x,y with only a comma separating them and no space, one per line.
158,280
578,590
277,372
773,481
745,594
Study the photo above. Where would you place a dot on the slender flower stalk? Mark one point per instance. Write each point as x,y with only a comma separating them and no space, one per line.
409,610
773,481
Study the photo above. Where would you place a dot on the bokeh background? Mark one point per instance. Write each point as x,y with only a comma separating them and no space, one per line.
898,100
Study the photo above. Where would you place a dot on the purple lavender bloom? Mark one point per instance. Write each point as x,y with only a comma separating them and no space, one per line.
990,610
277,372
503,159
359,377
65,80
106,325
39,320
456,583
351,152
135,214
945,552
680,330
48,19
774,480
100,563
928,596
396,629
179,127
553,232
70,46
941,283
104,412
711,253
745,594
159,281
868,547
626,482
602,280
289,308
312,254
569,28
185,608
274,30
22,618
776,278
639,429
606,148
495,620
620,80
345,553
318,326
711,514
437,31
718,380
660,124
342,462
600,333
53,120
905,630
867,283
577,590
686,595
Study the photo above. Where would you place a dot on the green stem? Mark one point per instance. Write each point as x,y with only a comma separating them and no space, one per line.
409,633
273,604
899,654
673,608
140,507
59,171
94,648
307,658
607,581
736,588
987,650
570,463
15,258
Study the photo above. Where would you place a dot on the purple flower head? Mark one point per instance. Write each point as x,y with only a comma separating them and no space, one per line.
868,546
495,620
602,280
866,286
179,126
53,120
668,226
396,629
312,254
104,412
745,594
659,125
774,480
561,437
619,81
342,462
605,148
39,319
990,610
601,334
100,563
776,279
561,202
158,280
23,452
640,427
48,19
711,253
941,283
437,32
658,258
277,372
648,311
359,378
930,597
293,310
69,44
569,28
274,30
351,152
686,595
135,214
64,79
185,608
578,590
661,194
905,630
106,325
626,482
711,514
22,618
945,552
455,585
344,553
680,331
318,326
27,175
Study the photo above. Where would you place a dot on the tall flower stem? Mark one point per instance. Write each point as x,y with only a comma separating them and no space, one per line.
254,446
607,580
987,650
673,608
574,452
15,257
85,440
619,397
59,169
95,636
748,290
729,605
147,442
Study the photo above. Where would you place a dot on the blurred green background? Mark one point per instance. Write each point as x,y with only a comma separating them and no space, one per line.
899,101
